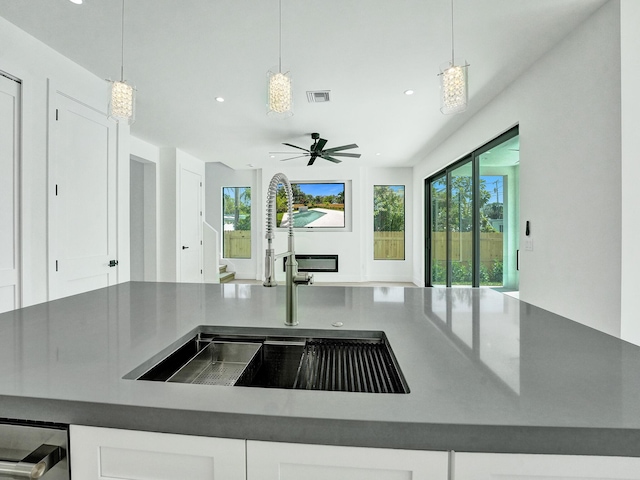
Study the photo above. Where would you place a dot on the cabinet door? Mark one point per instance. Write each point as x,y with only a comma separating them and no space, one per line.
104,453
290,461
494,466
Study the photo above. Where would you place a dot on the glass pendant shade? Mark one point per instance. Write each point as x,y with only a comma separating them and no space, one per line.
453,87
122,104
280,99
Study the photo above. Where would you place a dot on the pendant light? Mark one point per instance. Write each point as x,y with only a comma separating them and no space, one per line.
122,102
279,94
454,86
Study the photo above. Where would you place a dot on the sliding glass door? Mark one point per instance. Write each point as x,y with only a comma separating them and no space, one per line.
473,218
499,168
461,225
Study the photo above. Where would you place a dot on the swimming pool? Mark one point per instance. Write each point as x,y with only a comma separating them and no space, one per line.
302,219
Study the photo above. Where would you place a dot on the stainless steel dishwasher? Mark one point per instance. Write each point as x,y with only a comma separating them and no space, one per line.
33,450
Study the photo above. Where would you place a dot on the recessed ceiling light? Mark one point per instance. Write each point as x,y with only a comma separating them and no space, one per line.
378,153
272,156
77,2
219,99
408,92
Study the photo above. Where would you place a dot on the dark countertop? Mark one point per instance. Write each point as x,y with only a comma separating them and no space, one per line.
486,371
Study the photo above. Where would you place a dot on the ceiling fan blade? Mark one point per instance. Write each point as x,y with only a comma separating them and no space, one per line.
292,158
354,155
320,145
294,146
344,147
331,159
283,153
311,160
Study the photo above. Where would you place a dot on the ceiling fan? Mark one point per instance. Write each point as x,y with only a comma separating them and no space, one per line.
317,150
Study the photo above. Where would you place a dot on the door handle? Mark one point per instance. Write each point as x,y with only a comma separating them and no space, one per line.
183,247
113,263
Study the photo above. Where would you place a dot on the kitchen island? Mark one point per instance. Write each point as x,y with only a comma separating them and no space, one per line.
486,372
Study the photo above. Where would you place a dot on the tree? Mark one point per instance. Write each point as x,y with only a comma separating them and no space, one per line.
388,208
299,197
237,206
461,205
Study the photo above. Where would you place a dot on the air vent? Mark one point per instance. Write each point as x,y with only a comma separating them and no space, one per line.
318,96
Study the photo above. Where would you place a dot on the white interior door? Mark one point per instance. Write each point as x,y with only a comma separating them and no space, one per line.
9,194
190,227
82,227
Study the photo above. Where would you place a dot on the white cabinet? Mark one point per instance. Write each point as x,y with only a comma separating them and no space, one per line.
497,466
104,453
291,461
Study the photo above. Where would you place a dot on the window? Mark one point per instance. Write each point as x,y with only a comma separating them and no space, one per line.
388,222
236,222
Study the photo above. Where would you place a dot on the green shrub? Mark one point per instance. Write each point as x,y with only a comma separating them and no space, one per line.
496,275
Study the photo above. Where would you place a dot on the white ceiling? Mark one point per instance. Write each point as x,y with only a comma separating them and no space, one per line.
181,54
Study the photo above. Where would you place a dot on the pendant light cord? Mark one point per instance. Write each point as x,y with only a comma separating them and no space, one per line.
452,50
279,37
122,45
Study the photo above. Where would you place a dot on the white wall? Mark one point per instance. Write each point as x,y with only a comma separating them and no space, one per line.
136,219
353,244
218,176
347,243
167,221
171,162
145,205
388,270
630,80
36,64
568,108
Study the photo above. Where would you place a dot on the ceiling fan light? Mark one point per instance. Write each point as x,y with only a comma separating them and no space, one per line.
122,101
280,99
454,87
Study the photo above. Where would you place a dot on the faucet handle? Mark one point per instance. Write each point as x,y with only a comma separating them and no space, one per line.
303,279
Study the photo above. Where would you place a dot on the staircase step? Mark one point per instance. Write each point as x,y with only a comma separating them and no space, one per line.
222,268
227,277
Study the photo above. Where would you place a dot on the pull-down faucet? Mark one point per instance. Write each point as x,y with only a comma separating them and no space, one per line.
293,279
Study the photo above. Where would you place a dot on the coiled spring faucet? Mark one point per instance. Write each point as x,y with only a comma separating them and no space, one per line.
293,278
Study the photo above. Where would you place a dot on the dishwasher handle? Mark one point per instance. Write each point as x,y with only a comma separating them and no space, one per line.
34,465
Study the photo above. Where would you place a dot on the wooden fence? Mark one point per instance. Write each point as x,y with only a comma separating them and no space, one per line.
388,245
391,246
462,247
237,243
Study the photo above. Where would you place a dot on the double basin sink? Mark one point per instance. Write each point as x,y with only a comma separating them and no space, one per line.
349,361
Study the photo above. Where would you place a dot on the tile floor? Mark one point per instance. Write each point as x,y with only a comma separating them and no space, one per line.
337,284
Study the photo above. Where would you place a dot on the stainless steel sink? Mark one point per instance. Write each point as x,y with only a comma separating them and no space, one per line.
349,361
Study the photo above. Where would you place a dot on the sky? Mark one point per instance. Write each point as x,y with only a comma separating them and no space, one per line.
321,189
494,185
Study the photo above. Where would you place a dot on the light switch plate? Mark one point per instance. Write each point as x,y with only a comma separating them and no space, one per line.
528,244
